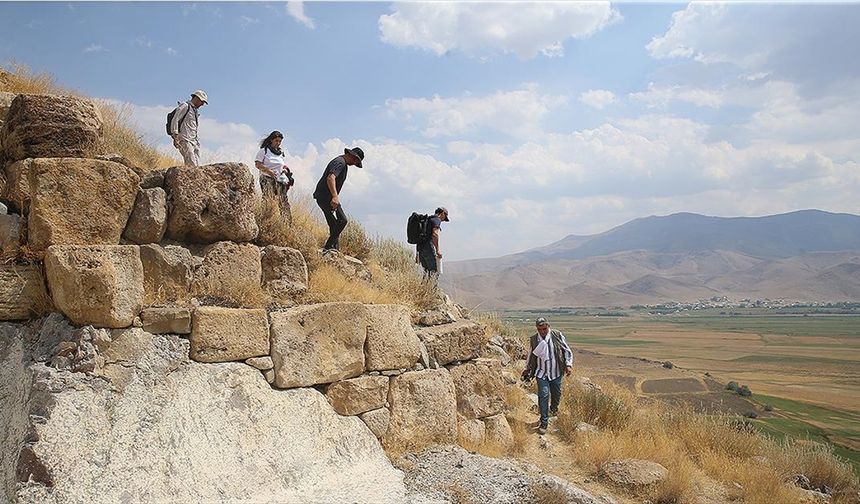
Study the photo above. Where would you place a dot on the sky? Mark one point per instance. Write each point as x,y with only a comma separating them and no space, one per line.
528,121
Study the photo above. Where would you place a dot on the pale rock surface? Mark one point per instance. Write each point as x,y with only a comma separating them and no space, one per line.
377,421
358,395
285,273
166,320
315,344
349,266
228,334
5,103
480,387
499,431
423,408
78,202
584,427
148,220
228,270
167,273
457,341
100,285
471,433
45,126
16,190
633,473
165,429
22,292
496,352
262,363
211,203
391,341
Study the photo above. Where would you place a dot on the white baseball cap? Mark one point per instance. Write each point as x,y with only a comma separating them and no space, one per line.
201,94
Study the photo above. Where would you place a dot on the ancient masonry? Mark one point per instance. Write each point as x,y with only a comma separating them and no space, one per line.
111,246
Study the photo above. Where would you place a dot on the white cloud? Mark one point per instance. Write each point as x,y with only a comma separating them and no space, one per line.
597,98
296,9
518,113
246,21
663,95
171,51
94,48
479,29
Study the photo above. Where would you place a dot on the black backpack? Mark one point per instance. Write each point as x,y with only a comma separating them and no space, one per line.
416,228
173,113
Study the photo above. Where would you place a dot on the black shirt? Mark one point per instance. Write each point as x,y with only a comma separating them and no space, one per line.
339,169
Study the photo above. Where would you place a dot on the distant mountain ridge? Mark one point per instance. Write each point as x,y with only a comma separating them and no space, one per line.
803,255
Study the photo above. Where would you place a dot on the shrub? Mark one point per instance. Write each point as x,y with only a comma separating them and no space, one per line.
744,391
732,385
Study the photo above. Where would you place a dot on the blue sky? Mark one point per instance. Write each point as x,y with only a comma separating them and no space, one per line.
529,121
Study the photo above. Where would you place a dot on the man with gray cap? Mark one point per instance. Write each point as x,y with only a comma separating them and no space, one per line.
183,127
550,359
428,252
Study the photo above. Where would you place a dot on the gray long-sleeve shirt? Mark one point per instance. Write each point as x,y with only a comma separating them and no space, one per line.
186,124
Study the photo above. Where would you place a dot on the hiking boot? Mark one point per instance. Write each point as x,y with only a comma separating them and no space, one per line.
553,413
542,430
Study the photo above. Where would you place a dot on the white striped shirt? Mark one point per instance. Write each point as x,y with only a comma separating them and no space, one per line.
549,370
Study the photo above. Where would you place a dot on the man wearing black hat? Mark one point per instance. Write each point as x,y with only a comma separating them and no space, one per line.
328,190
429,253
550,359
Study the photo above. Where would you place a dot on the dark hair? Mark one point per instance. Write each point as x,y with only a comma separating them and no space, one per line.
267,142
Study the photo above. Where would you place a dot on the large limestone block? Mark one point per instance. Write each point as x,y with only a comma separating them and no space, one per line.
78,201
211,203
320,343
166,320
51,126
471,433
167,273
228,334
498,431
10,235
480,387
458,341
633,473
22,292
357,395
101,285
377,421
285,273
229,271
148,220
423,409
391,342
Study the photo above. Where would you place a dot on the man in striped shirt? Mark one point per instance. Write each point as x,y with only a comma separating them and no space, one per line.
549,361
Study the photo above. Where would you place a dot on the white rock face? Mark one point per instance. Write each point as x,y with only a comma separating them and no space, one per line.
166,429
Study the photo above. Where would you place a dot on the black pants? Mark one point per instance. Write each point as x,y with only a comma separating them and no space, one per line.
271,188
336,220
427,258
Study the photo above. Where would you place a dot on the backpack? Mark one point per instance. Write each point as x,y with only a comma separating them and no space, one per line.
416,228
173,113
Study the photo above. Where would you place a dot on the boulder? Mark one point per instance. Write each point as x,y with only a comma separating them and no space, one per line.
101,285
167,273
230,271
16,190
166,320
633,473
358,395
228,334
22,292
391,341
261,363
480,387
151,179
458,341
423,409
211,203
285,273
377,421
10,235
496,352
148,219
499,431
47,126
315,344
78,202
349,266
471,433
585,428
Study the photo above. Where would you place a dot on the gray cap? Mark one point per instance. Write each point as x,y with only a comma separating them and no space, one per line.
540,321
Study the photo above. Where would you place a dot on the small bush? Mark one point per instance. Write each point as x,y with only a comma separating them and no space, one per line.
732,385
668,365
768,408
744,391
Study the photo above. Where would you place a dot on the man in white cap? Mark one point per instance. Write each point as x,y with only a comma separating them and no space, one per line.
549,361
183,127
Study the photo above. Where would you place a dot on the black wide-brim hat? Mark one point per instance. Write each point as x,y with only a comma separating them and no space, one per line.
357,152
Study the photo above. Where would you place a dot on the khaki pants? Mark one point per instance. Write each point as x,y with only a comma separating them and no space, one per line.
190,153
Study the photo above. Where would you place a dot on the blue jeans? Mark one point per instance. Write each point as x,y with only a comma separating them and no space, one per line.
547,389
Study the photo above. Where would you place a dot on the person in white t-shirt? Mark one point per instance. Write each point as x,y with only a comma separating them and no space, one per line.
275,176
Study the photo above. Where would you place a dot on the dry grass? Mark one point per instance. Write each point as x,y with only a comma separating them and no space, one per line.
327,283
494,324
304,232
231,295
119,133
542,493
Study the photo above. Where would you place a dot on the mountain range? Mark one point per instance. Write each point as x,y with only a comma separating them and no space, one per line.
807,255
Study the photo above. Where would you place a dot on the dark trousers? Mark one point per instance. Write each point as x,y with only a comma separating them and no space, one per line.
336,220
427,258
549,395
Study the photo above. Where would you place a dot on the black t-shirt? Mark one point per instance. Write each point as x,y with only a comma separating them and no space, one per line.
432,223
339,169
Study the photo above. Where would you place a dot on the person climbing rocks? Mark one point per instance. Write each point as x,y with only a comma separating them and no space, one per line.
327,194
183,127
550,359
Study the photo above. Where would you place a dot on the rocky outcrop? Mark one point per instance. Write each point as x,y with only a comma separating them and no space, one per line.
317,344
148,220
100,285
167,273
457,341
230,271
633,473
285,273
42,126
228,334
498,432
22,292
211,203
479,387
391,342
423,409
358,395
152,426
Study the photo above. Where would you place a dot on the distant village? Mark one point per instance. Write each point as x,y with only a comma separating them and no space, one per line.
783,306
